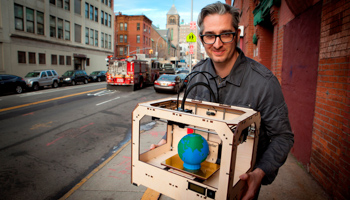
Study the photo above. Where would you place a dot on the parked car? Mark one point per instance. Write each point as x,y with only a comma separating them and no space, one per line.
41,78
72,77
97,76
11,83
168,82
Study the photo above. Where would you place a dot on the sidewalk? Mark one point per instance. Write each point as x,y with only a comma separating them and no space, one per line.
111,180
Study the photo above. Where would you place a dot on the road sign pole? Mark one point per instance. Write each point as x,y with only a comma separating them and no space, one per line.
191,31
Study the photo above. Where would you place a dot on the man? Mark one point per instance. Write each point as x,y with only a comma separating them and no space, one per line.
243,82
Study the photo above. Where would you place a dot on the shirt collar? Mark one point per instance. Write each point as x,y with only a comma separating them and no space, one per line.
237,73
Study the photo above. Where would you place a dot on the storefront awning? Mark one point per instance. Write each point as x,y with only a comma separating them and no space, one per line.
262,11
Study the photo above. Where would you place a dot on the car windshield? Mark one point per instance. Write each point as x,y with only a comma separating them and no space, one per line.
166,78
33,74
68,73
95,73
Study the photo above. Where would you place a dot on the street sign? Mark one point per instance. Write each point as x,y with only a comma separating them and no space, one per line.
191,38
193,25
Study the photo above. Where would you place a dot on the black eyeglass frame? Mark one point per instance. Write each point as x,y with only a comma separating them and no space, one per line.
233,33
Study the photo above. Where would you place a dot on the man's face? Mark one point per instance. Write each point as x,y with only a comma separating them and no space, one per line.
216,24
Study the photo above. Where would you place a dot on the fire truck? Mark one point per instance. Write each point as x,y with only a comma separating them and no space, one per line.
132,71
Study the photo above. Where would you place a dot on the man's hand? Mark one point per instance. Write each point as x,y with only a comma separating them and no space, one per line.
160,143
253,180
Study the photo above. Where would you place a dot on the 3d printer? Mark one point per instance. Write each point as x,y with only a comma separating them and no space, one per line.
232,135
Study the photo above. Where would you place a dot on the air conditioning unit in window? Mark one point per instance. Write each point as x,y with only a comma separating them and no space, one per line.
144,30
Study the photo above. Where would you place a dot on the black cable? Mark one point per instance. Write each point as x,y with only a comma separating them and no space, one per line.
189,90
195,74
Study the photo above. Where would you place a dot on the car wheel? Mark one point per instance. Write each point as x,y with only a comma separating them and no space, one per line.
19,89
86,81
35,86
98,79
55,84
73,82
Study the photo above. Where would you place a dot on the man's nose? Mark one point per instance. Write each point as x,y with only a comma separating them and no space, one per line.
217,44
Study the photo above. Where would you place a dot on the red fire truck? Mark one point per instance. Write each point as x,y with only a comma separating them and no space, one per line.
132,71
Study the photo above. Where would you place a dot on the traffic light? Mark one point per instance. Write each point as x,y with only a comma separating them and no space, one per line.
151,51
186,53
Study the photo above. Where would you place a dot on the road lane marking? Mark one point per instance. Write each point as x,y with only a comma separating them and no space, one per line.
107,101
47,100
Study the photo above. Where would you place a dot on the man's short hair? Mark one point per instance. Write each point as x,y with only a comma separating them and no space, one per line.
221,9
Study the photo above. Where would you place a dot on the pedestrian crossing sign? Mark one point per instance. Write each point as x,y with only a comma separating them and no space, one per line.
191,38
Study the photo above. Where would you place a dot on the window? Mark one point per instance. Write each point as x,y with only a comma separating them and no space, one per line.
86,35
60,28
39,23
143,39
102,15
49,73
102,40
91,37
144,28
77,33
106,18
53,59
19,17
138,39
42,58
52,26
87,61
120,50
21,56
138,26
106,41
103,1
66,4
91,12
31,56
96,38
109,3
125,50
61,60
120,38
125,26
30,20
53,2
86,10
109,20
96,14
120,26
67,30
59,4
125,38
77,6
109,42
68,60
106,2
137,49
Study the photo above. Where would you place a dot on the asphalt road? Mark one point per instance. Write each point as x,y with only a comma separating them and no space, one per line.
52,138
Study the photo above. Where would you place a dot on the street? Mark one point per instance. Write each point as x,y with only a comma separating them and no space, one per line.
52,138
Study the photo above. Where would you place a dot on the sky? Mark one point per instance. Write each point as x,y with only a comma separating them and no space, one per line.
156,10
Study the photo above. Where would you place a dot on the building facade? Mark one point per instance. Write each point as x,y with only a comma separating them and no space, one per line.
306,44
132,35
55,34
162,50
173,24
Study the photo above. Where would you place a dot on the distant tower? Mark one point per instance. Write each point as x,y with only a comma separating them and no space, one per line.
173,24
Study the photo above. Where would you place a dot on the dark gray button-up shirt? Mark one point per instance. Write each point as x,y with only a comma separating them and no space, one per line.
252,85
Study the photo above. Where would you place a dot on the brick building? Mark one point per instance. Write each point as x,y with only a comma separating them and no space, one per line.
132,35
306,44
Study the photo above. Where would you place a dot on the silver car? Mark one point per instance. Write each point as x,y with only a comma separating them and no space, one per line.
41,78
168,82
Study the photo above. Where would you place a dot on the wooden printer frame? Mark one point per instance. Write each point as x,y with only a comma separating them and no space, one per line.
223,126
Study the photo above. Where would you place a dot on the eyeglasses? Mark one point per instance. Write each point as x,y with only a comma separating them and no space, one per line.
224,37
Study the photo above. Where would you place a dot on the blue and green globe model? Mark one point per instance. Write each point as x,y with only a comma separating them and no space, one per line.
193,149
